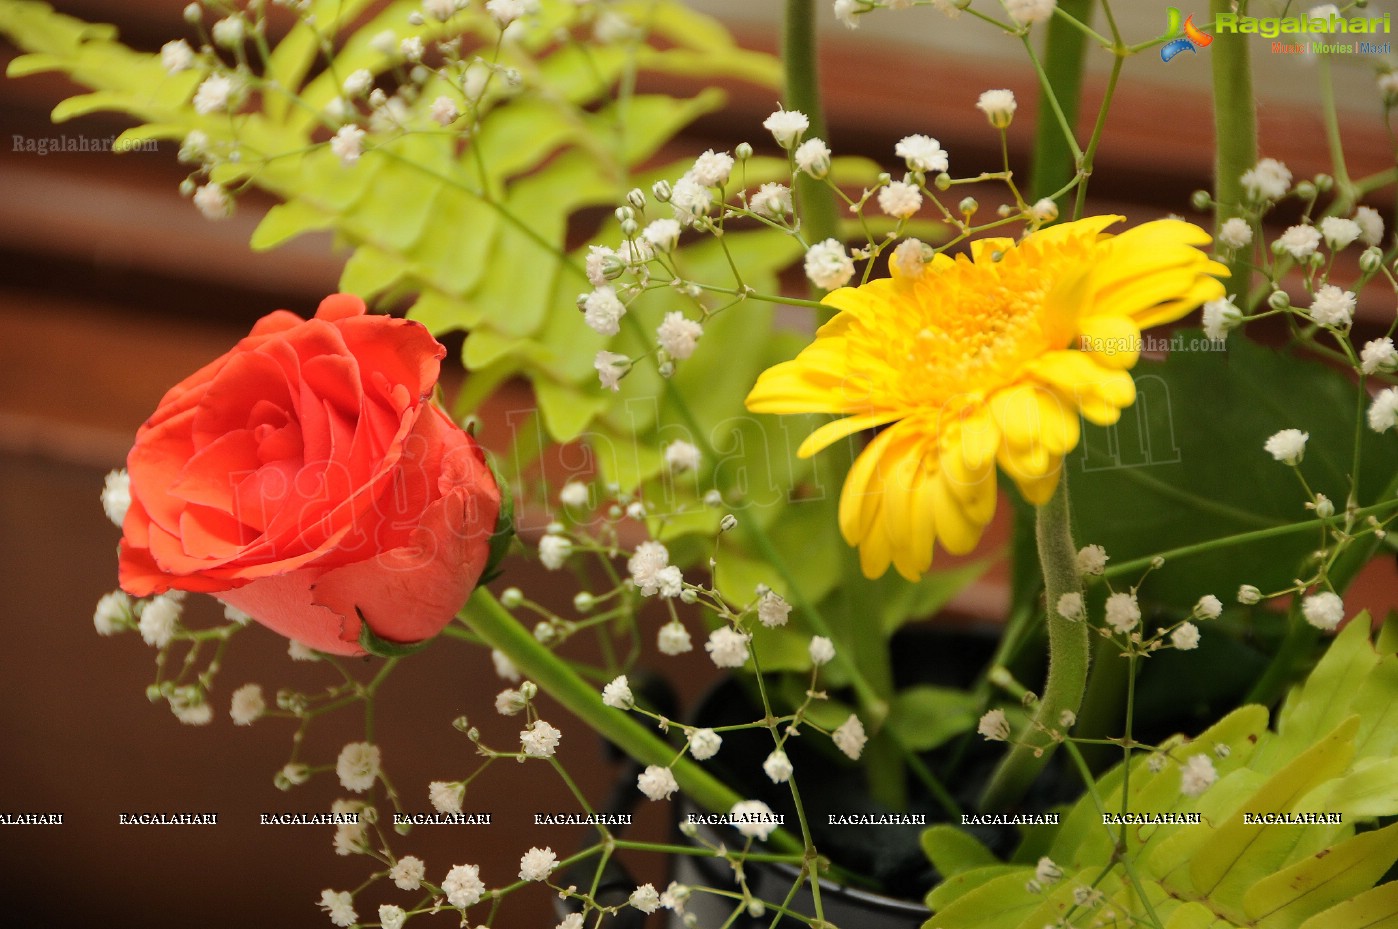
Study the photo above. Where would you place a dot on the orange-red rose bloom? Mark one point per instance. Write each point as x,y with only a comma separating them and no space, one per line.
307,479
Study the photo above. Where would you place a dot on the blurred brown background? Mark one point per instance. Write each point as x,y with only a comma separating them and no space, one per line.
114,288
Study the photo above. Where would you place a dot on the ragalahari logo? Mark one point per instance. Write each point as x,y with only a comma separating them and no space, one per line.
1192,40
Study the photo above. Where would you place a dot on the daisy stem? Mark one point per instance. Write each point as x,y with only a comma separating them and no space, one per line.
1235,131
1069,657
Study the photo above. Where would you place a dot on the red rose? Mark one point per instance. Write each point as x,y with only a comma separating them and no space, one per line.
307,479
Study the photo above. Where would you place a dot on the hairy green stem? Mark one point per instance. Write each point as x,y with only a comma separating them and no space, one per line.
1069,657
1235,131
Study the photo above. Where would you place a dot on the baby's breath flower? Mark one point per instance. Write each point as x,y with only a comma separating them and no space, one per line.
675,897
358,83
1197,775
391,916
1379,355
813,157
846,11
1123,612
571,921
777,767
1185,637
347,144
116,493
463,886
727,647
645,898
247,705
1299,241
408,872
176,56
994,726
358,766
681,456
900,199
505,12
645,565
787,127
998,106
1339,232
617,694
537,864
1383,411
911,257
1235,233
602,310
1269,179
540,740
1028,12
160,619
1046,872
217,92
213,201
190,706
1044,210
712,168
822,650
1070,606
753,818
1287,446
828,265
678,335
445,797
554,551
663,234
411,48
657,783
772,610
771,200
1092,560
690,200
1333,306
1208,607
339,906
921,153
443,111
610,366
1221,317
1324,610
704,744
113,613
850,737
1370,225
229,31
504,667
574,494
510,702
674,639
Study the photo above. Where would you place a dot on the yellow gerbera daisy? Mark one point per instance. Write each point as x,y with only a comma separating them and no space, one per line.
978,361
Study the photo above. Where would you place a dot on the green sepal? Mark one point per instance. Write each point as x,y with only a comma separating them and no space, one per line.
504,532
383,648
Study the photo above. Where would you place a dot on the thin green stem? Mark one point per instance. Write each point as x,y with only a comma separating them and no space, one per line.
498,629
1069,657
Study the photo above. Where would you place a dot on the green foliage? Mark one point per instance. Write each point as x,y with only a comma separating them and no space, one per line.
1331,753
1213,479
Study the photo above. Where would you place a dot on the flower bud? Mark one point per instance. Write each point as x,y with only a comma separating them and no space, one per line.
1324,506
662,191
511,597
629,228
1248,595
943,181
728,522
461,724
1200,200
624,213
1306,190
1279,300
743,151
584,601
193,13
1324,182
529,690
968,206
637,198
1371,259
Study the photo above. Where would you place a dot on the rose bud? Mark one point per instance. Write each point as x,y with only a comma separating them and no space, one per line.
307,479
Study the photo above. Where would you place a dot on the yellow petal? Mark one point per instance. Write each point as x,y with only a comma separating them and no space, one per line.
863,491
1038,490
1113,341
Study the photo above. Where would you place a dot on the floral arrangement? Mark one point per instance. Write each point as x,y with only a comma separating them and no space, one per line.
505,168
